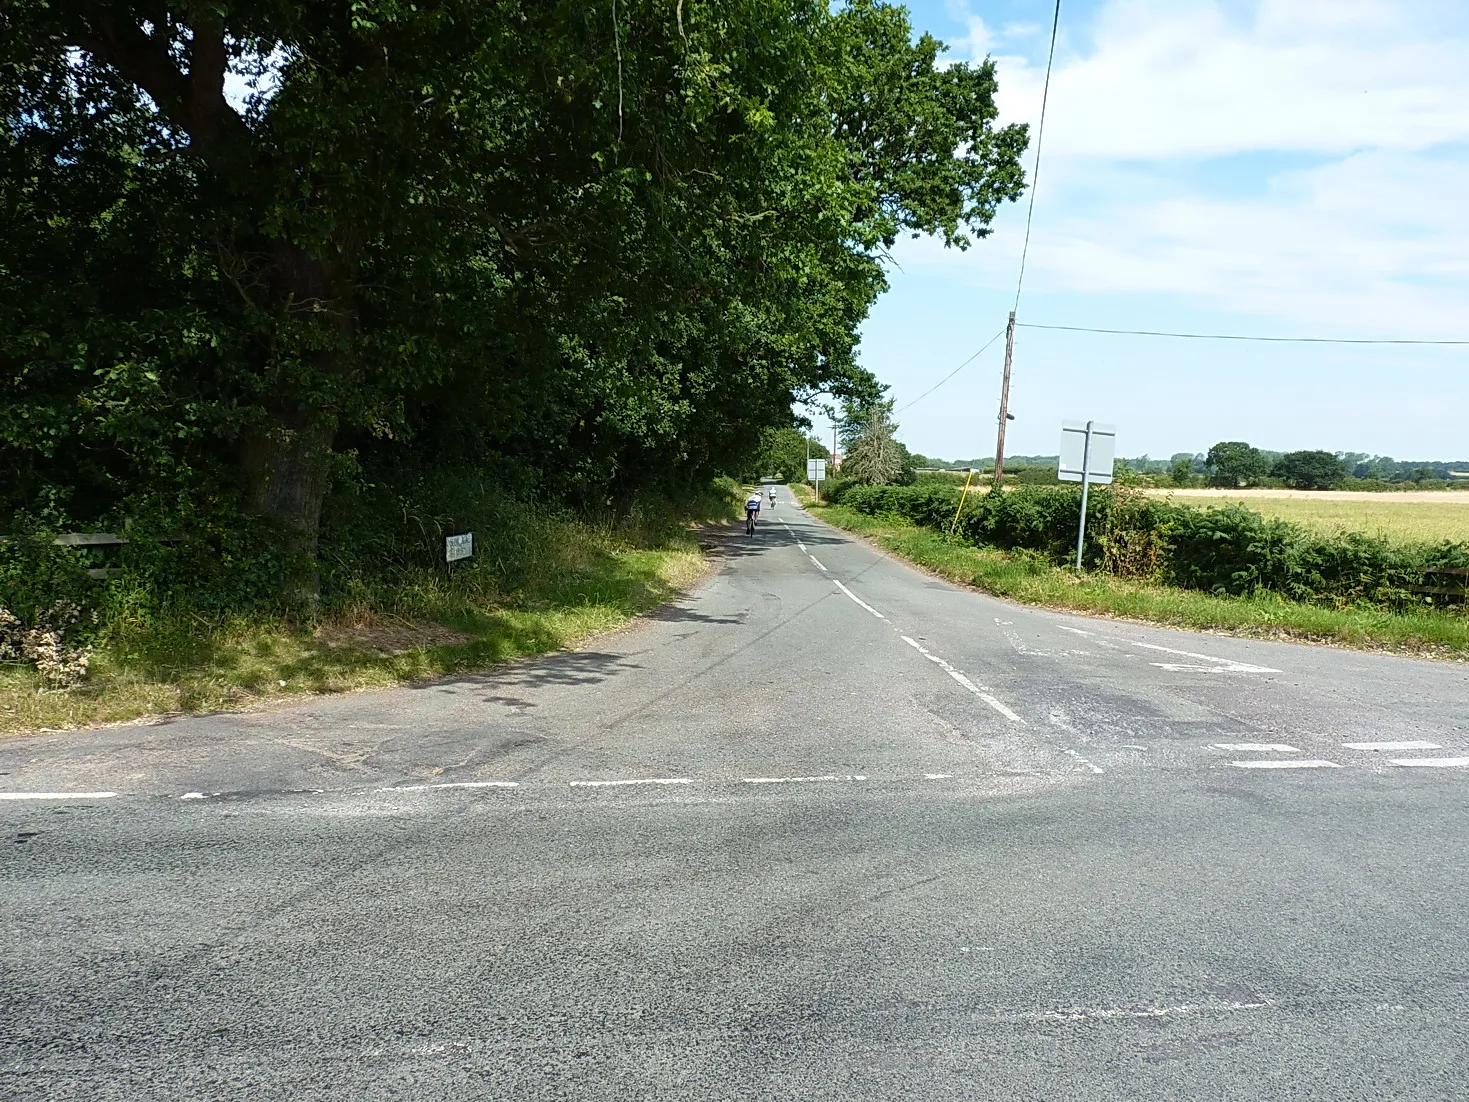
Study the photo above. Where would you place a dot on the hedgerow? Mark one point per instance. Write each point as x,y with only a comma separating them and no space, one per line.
1230,550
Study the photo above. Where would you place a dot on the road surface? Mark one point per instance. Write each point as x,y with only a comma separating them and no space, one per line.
827,828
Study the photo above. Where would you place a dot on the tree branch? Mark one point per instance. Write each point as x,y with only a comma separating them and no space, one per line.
193,102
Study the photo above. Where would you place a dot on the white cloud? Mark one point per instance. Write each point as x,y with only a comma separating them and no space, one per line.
1143,190
1165,78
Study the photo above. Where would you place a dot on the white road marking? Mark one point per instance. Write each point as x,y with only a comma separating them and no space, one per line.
1293,763
802,546
859,600
1084,761
997,705
451,784
938,776
197,795
800,780
1411,744
57,795
1433,763
1256,747
1132,746
1081,1014
1074,631
636,780
1221,664
817,561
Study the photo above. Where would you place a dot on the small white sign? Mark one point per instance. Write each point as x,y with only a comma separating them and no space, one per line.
458,547
815,470
1099,454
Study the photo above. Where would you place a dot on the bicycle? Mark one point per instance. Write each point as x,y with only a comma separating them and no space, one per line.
750,515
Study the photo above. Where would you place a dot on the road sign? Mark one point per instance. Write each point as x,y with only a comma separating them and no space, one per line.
458,547
1088,444
815,470
1087,449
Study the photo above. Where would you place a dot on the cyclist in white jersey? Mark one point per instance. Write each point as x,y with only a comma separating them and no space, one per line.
752,510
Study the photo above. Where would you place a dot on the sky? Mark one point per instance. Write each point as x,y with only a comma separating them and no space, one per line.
1283,168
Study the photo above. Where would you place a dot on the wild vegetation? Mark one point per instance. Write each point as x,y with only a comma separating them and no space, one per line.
1229,551
290,291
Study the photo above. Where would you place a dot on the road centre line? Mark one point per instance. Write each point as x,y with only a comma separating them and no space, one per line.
817,561
635,780
799,780
802,546
1256,747
1293,763
451,784
997,705
57,795
1433,763
1410,744
858,599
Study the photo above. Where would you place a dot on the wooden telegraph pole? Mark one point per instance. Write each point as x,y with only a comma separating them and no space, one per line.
1004,402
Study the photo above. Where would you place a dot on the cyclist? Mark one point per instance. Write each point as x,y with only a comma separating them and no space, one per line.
772,499
752,510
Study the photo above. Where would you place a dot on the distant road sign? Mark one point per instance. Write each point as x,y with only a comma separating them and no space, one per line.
1098,453
458,547
815,470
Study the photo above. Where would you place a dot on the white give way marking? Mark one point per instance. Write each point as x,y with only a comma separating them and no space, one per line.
1216,665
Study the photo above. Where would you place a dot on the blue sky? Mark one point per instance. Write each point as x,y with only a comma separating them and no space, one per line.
1289,167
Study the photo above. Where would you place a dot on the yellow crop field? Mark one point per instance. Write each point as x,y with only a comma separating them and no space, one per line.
1426,517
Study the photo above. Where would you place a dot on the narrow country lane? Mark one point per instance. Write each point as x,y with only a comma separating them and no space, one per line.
826,828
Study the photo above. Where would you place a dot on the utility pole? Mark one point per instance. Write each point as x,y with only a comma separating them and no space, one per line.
1004,403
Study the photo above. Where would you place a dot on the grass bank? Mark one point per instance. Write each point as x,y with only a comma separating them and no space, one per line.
1029,579
588,579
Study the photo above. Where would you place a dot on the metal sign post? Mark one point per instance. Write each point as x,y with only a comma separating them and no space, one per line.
1087,451
816,473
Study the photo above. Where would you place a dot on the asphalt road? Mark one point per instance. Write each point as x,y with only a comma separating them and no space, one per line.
825,829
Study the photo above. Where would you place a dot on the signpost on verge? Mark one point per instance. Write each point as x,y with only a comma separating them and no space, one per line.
458,547
1087,451
816,473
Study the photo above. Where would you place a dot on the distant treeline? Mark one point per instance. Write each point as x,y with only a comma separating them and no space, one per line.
1358,465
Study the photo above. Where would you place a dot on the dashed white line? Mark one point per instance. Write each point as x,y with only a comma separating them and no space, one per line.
1433,763
858,599
800,780
451,784
1256,747
817,561
802,546
1084,761
635,780
1293,763
57,795
938,776
997,705
1410,744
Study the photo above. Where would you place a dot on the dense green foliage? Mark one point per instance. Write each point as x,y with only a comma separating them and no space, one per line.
1235,463
783,455
1309,470
472,247
1230,550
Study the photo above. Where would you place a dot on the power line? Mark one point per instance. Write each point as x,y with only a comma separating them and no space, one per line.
1229,336
951,374
1040,132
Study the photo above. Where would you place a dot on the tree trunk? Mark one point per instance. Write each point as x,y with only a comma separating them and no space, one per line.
287,466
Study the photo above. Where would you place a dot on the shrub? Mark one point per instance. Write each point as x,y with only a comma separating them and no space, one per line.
1230,550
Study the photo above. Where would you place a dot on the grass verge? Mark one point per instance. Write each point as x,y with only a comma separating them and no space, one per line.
593,579
1028,580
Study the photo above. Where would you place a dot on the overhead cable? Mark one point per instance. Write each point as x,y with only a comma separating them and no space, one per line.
951,374
1232,336
1040,132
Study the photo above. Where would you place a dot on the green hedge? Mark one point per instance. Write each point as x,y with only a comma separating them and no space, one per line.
1230,550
